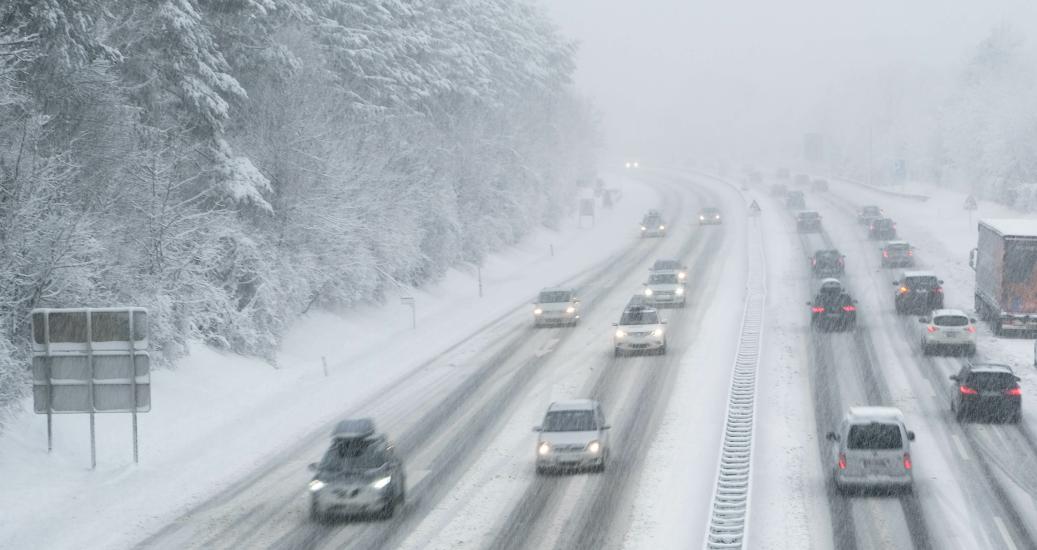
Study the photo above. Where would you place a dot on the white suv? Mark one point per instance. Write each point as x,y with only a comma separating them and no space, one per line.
872,449
665,288
948,328
639,329
556,306
574,436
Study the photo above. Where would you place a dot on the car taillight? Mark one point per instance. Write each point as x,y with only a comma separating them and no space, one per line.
932,329
1015,392
907,461
910,252
849,308
965,390
872,227
903,290
842,461
813,261
938,290
970,328
885,253
817,309
841,261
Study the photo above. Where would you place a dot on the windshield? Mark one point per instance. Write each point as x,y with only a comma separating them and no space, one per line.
827,256
639,317
554,296
951,321
666,264
883,223
809,215
871,211
874,436
354,454
991,381
662,279
921,282
570,421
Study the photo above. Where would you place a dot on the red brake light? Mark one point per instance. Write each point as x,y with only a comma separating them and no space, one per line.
932,329
910,252
971,328
885,253
965,390
1014,392
907,461
938,290
872,227
842,461
817,309
813,261
841,261
849,308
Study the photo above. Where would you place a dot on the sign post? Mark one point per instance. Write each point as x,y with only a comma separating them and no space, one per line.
971,206
91,360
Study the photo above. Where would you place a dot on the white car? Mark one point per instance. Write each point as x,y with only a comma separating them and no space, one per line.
669,265
872,449
665,288
639,329
573,436
948,328
556,306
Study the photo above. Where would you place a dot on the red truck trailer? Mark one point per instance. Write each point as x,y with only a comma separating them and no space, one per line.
1005,260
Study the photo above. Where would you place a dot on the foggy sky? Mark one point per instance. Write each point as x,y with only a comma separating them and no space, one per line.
676,78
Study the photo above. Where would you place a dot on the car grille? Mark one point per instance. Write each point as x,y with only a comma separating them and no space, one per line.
568,448
639,334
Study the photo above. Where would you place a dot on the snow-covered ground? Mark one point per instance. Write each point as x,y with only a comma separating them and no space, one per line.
217,416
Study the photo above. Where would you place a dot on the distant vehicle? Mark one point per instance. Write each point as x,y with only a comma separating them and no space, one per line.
667,265
808,221
556,306
948,329
828,263
1006,275
918,292
709,216
867,214
664,288
987,390
832,308
360,474
882,229
801,180
652,225
639,329
819,186
778,190
782,173
632,164
794,200
872,450
637,300
898,254
573,436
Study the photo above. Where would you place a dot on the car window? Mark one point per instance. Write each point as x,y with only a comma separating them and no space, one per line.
898,247
554,296
809,215
662,279
921,282
883,223
990,380
666,264
874,436
870,211
354,454
569,421
639,317
951,320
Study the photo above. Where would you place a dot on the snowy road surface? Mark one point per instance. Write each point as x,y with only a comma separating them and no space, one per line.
461,415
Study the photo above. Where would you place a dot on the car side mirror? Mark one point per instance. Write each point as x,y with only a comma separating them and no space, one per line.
940,281
810,303
923,320
910,435
615,324
832,436
953,377
537,429
606,427
896,283
577,301
971,320
312,467
664,321
854,301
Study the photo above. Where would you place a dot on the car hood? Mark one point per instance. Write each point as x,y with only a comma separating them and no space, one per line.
351,476
664,286
569,438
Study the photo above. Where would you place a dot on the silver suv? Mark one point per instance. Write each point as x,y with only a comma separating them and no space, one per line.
872,449
574,436
556,306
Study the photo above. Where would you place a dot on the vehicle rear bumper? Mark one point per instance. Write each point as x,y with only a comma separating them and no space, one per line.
873,480
334,501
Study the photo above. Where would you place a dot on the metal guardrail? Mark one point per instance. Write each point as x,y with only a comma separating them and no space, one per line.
729,517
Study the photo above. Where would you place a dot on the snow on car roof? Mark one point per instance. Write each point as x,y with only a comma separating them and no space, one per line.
1012,227
573,405
876,413
555,289
919,274
898,243
958,312
990,367
356,428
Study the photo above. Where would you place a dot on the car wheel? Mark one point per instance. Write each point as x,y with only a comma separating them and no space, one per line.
662,350
926,349
616,352
316,515
541,471
389,510
959,415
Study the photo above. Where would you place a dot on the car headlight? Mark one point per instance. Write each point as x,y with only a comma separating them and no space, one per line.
643,228
718,216
657,332
594,447
316,485
679,291
543,448
381,482
537,311
648,292
682,275
620,334
661,227
570,310
702,218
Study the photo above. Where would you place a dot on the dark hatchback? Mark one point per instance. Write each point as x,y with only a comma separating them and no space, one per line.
987,391
918,292
898,254
833,310
828,263
808,221
794,200
882,228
